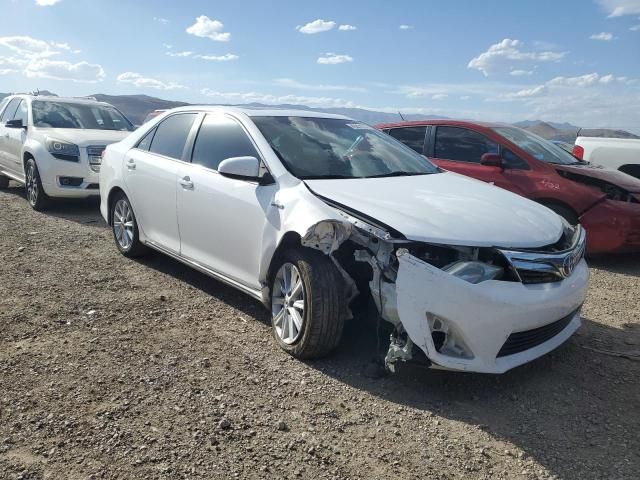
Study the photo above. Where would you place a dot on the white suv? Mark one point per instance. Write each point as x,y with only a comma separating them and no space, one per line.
54,145
309,212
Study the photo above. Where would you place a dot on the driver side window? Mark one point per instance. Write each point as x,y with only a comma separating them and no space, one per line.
462,145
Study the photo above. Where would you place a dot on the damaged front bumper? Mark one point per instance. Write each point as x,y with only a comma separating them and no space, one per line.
490,327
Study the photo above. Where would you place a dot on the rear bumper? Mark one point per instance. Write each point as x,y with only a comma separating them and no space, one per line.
484,316
612,227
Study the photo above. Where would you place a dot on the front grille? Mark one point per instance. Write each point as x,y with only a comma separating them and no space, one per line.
521,341
95,150
529,277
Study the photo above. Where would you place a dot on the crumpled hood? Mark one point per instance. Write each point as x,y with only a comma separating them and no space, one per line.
615,177
447,208
84,137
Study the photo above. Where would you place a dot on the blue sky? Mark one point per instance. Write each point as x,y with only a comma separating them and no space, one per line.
575,60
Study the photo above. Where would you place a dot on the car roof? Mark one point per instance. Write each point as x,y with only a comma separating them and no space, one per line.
260,111
443,121
51,98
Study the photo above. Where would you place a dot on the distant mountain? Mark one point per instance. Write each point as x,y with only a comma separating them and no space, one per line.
136,108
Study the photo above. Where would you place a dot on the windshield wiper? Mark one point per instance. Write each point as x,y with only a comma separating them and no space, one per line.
397,174
326,177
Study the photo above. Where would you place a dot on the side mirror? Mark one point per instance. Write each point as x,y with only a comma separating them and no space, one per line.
491,160
15,124
243,168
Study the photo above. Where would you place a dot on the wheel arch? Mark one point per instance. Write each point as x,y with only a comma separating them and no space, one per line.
110,198
549,202
630,169
290,239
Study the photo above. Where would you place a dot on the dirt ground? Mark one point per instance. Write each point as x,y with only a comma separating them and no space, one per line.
112,368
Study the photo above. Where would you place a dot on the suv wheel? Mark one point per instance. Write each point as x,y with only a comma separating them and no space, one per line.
125,228
307,304
36,197
4,182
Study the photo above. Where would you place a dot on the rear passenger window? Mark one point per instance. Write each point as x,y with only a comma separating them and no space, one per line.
145,143
462,144
220,138
171,135
412,137
10,111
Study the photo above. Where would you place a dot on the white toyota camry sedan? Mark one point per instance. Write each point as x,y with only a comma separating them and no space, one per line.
312,213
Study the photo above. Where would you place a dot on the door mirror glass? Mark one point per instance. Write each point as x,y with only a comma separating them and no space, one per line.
491,160
17,123
246,168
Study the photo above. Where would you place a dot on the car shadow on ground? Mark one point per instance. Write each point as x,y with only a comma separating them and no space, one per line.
626,264
85,211
562,409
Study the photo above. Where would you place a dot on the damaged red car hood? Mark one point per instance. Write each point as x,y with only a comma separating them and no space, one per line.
615,177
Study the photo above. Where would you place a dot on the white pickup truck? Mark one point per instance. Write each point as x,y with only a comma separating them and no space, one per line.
615,153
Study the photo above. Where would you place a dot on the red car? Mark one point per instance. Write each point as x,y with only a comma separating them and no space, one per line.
605,202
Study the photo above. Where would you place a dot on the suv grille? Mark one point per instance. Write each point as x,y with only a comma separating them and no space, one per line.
521,341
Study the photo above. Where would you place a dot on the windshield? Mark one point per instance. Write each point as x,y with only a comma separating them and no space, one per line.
536,146
314,148
48,114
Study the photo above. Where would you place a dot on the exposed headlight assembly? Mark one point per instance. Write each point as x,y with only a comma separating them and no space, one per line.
63,150
474,272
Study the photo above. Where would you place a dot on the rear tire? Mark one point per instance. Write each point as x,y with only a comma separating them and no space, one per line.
125,228
307,318
36,197
4,182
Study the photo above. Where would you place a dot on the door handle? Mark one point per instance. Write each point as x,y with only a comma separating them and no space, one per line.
186,183
131,165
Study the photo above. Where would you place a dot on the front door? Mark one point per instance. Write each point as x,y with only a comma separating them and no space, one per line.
222,220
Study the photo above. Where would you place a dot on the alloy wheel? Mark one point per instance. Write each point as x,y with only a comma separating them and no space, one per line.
32,185
123,224
288,303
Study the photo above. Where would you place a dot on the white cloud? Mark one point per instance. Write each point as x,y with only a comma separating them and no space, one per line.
256,97
346,28
144,82
81,72
603,36
291,83
588,80
503,55
47,3
206,27
439,96
635,28
405,27
164,21
465,97
317,26
28,47
334,59
7,71
528,92
619,8
179,54
520,73
227,57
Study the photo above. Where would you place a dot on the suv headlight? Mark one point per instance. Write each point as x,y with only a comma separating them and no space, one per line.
63,150
474,272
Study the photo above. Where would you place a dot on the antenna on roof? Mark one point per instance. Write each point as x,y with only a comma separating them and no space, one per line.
578,132
401,116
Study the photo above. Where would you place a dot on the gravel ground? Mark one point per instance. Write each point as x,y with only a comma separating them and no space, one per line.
112,368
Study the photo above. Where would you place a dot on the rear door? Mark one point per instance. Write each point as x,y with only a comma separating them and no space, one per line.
151,175
412,137
460,149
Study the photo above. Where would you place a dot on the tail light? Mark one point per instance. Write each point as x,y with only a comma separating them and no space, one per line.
578,152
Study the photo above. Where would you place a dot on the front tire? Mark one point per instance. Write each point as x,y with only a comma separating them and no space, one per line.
125,228
36,197
4,182
307,304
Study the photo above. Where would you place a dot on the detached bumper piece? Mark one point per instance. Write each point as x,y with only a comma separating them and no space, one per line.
521,341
